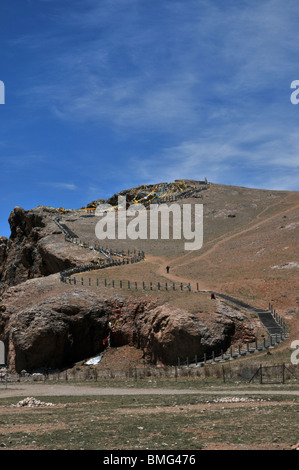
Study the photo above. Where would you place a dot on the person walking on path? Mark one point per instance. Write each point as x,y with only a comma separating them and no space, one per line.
167,269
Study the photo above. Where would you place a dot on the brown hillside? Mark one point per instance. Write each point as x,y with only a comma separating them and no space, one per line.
250,251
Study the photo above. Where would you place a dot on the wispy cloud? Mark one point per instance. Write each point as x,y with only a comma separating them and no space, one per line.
67,186
209,79
253,155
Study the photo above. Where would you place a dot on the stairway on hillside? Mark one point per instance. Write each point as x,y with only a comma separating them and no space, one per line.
265,316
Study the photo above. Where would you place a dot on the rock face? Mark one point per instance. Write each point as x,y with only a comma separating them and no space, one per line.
47,324
165,333
36,248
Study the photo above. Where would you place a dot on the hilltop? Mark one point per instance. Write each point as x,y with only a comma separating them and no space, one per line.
249,251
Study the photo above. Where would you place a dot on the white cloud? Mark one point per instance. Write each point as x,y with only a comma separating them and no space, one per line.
214,79
68,186
261,156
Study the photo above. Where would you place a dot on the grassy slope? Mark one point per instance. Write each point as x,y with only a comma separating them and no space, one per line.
239,254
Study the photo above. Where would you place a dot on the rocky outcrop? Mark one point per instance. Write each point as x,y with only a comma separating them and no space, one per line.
165,333
47,324
36,248
3,249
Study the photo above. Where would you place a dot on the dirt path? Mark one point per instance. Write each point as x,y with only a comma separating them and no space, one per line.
161,271
26,390
230,237
162,262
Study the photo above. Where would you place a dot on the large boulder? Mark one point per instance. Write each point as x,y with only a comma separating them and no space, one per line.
45,323
36,247
50,325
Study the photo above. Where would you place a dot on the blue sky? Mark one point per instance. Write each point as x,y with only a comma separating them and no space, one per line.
103,95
